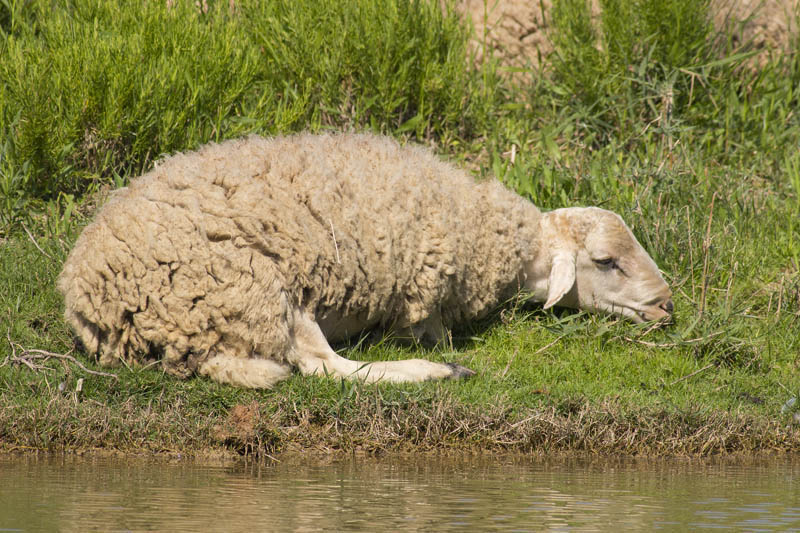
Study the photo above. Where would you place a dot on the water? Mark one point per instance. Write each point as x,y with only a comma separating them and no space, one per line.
397,493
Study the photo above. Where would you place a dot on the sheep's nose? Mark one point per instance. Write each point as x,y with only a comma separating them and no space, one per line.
667,306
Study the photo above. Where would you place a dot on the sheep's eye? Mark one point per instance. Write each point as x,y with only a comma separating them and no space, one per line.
605,262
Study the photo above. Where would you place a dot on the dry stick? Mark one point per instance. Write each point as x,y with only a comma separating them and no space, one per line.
691,251
686,158
769,304
505,371
687,376
730,282
26,363
784,387
692,76
546,346
706,249
663,162
13,350
656,325
537,352
514,426
672,344
36,243
689,298
43,354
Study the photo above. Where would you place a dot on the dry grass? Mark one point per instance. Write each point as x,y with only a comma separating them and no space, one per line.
262,430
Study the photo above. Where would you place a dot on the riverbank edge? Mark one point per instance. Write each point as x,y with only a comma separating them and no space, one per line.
281,428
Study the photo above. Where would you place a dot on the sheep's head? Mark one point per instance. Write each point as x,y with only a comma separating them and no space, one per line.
587,258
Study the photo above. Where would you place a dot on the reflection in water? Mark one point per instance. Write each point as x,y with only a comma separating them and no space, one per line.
412,494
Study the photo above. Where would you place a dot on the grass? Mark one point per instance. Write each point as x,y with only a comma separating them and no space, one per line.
693,143
157,79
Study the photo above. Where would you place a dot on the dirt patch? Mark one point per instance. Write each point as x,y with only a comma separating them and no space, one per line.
239,427
770,24
516,30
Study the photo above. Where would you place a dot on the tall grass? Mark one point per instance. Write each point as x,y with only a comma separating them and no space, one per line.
649,68
93,91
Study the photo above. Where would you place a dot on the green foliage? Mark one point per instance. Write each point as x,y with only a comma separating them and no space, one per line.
657,66
16,15
94,91
385,64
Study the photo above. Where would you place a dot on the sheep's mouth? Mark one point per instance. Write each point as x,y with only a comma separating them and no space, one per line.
655,314
640,315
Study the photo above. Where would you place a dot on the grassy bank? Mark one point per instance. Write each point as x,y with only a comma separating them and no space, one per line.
691,142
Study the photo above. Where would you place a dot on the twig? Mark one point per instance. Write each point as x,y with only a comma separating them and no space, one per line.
26,356
672,344
13,350
691,251
656,325
537,352
511,360
730,282
685,295
35,243
706,258
687,376
546,346
26,363
42,354
515,425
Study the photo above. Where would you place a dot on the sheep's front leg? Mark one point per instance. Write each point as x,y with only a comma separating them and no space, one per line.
313,355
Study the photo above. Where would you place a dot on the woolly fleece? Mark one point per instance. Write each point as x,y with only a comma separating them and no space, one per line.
209,252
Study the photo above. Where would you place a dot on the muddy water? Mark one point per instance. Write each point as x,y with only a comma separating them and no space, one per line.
389,494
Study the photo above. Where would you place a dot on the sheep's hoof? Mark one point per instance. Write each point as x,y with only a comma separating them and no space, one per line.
460,372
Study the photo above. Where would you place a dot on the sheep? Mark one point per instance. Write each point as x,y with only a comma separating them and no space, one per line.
244,260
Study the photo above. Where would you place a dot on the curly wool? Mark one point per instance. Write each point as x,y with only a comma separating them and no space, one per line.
208,252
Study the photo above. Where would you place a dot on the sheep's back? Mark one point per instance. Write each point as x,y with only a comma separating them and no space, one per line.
386,232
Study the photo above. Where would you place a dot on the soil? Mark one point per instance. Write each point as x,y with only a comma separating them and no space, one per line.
517,29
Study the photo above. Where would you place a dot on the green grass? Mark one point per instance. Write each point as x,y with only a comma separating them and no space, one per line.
686,136
156,79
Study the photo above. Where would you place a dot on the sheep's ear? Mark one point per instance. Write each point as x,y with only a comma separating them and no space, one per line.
562,278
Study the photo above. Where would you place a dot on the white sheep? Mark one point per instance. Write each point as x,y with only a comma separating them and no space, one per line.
245,259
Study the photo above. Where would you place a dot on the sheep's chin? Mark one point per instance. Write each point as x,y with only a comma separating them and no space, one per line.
650,313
